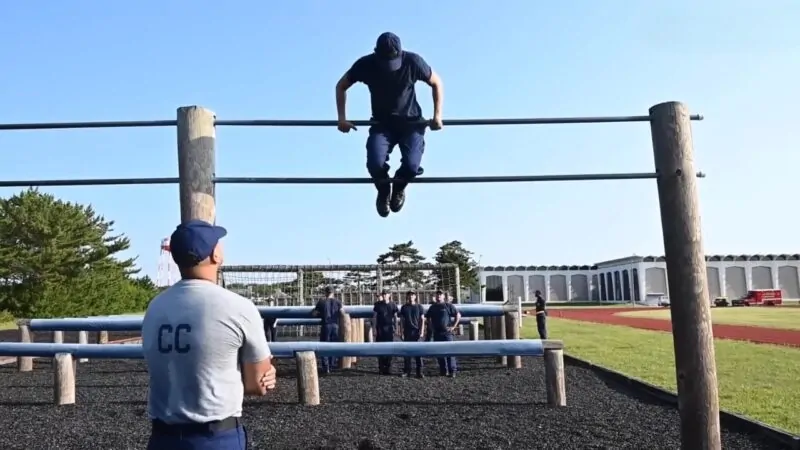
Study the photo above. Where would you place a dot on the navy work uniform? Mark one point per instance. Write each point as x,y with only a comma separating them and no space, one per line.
390,74
384,321
428,333
328,310
270,330
541,315
441,317
412,322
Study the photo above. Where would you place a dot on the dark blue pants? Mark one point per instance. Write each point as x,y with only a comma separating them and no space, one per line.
447,364
235,439
382,140
384,362
270,330
328,333
541,325
412,336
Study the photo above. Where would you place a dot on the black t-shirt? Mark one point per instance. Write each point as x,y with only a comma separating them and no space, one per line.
411,315
540,305
441,316
392,93
328,310
385,312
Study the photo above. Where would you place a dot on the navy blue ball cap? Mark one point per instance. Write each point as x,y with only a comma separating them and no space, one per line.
389,51
194,241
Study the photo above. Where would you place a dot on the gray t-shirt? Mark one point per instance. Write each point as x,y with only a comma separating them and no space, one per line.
194,336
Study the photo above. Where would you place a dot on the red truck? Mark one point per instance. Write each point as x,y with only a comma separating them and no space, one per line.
765,297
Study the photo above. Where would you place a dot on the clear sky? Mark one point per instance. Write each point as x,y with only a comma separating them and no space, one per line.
735,61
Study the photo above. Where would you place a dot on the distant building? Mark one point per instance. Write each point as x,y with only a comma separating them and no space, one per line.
635,277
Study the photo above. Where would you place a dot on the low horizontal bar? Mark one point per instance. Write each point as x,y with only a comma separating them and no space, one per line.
322,123
521,347
365,311
330,267
134,323
337,180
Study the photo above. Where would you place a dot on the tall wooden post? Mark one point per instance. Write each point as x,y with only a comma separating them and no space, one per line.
512,332
345,362
499,333
196,163
686,273
25,363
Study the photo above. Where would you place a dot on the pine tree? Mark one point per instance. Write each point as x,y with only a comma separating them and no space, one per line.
454,253
395,274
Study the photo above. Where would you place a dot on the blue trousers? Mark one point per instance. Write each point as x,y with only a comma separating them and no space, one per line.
412,336
541,325
447,364
384,362
235,439
328,333
382,140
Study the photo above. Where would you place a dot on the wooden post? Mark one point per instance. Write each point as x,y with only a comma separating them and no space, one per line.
345,362
83,338
102,337
24,363
474,331
58,337
554,373
196,163
487,328
64,380
353,338
687,288
307,378
512,332
368,336
500,334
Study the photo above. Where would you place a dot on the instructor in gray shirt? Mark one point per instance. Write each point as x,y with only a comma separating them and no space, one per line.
205,349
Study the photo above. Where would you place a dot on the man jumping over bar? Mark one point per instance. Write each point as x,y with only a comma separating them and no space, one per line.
390,73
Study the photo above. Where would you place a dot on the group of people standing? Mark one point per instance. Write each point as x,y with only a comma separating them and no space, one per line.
410,322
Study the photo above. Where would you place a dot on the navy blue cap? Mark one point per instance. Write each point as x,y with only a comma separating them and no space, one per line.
194,241
389,51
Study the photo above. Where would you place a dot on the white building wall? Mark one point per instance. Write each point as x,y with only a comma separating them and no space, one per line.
633,278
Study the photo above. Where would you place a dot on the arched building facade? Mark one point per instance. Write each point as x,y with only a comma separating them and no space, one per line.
634,277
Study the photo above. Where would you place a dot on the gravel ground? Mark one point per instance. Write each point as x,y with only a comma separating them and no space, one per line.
485,407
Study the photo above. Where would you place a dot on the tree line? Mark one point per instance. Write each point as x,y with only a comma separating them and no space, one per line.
396,273
62,259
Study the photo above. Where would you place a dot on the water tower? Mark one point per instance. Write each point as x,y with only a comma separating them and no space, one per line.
168,272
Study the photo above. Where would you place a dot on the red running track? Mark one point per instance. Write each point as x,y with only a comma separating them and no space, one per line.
761,335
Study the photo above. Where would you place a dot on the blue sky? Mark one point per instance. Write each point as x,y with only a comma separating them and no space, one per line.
736,62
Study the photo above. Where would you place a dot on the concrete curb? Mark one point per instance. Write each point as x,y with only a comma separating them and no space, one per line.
728,419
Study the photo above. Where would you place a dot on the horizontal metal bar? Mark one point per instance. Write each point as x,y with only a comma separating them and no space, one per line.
331,267
339,180
323,123
90,182
83,125
447,123
515,347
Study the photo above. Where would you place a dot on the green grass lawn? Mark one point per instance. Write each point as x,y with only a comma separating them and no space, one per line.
759,381
770,317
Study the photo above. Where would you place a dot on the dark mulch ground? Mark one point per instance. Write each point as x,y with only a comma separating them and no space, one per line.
486,407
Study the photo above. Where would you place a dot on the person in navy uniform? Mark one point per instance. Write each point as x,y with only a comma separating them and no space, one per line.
428,337
541,315
412,326
328,310
270,329
384,323
391,73
441,318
